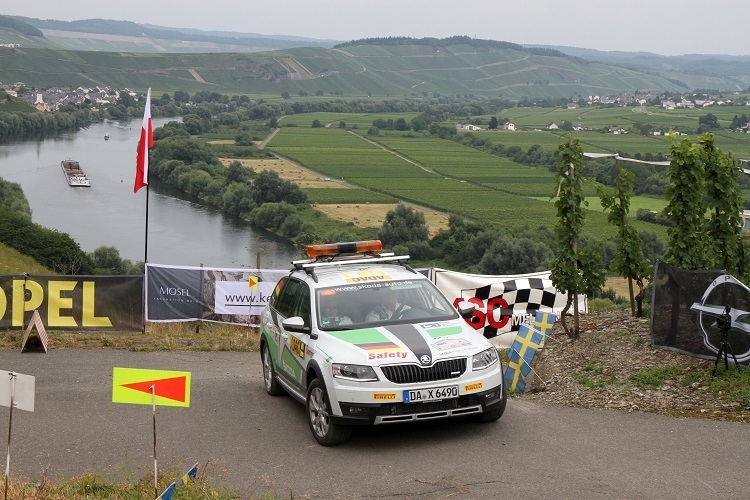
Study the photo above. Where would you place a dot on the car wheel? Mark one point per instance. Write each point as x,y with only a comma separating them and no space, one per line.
495,412
269,376
319,417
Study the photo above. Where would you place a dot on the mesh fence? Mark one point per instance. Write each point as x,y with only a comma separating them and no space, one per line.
694,311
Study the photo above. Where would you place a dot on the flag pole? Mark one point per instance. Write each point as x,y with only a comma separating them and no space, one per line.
145,248
153,406
145,143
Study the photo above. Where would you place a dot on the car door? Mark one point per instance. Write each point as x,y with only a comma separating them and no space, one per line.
293,358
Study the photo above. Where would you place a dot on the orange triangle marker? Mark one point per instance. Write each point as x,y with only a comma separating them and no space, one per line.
170,388
251,282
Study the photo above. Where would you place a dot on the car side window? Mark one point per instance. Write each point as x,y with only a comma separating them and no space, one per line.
287,298
302,306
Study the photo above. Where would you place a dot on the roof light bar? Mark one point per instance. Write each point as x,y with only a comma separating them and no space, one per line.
334,249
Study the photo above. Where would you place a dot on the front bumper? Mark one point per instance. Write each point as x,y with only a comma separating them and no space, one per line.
354,413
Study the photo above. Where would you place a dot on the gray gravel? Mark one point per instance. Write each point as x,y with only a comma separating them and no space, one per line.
257,444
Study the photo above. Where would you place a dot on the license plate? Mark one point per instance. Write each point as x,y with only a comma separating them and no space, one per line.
434,394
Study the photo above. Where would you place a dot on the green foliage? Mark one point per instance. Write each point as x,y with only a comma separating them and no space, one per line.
509,255
52,249
13,199
14,262
402,226
107,261
271,215
269,187
686,207
628,260
574,269
724,245
653,378
703,179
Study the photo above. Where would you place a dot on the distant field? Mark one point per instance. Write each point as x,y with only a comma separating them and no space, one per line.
441,175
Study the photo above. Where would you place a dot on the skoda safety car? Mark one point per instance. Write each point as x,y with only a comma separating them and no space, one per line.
361,338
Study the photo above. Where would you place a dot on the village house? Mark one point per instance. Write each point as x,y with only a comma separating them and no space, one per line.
468,127
509,126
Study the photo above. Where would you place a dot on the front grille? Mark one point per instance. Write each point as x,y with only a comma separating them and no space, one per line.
466,401
412,374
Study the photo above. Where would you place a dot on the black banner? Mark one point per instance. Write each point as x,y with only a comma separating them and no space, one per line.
691,311
99,303
174,293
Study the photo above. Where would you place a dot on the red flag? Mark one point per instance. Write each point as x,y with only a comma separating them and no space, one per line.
144,144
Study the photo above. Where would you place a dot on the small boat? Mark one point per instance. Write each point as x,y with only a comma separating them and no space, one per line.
106,137
74,174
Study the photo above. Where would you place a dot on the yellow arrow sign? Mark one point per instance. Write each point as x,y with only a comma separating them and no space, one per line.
134,386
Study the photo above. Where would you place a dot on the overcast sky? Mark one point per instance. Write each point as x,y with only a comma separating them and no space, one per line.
668,27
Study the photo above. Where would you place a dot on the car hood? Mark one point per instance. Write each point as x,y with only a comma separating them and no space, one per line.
421,343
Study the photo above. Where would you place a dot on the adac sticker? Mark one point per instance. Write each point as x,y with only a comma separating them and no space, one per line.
366,275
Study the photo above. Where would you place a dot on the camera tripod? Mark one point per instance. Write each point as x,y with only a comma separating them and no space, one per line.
725,324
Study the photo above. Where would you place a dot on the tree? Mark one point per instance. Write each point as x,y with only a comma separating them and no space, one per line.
628,261
400,125
181,96
403,225
316,124
707,123
493,123
685,208
269,187
724,243
509,255
285,95
107,261
574,269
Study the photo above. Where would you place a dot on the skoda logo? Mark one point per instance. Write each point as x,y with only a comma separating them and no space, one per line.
425,359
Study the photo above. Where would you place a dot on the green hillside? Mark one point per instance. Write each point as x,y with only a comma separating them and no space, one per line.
353,70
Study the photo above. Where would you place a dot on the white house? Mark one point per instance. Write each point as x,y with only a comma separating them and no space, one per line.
509,126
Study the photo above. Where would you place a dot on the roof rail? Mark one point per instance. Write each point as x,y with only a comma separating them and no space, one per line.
310,265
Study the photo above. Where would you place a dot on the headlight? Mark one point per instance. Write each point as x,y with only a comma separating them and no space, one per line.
484,359
354,372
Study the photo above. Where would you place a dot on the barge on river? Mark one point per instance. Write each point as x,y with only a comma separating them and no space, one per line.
74,174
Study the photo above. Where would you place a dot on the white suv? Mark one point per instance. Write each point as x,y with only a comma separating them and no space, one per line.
364,339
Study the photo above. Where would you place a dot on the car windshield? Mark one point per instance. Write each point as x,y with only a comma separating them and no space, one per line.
363,305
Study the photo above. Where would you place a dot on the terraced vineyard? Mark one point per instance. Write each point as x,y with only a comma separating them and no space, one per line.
435,173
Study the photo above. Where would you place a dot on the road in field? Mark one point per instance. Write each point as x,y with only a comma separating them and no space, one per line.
257,444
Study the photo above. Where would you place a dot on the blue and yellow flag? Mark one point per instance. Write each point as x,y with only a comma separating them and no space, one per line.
528,341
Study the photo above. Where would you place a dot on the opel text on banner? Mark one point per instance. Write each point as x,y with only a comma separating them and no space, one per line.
64,302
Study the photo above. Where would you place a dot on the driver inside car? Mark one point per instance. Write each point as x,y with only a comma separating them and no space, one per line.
331,315
389,308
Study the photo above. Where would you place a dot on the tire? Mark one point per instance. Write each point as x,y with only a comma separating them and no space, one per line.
318,417
269,375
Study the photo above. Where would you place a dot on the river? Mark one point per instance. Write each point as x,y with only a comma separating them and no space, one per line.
180,231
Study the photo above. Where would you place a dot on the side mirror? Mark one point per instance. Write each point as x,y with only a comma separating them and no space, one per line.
466,308
295,324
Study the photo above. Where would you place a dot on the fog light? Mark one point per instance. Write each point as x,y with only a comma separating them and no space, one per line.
490,396
356,410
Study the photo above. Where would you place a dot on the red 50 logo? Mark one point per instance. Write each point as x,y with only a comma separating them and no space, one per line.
480,318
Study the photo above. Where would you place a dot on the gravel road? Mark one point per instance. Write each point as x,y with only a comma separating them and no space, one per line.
256,444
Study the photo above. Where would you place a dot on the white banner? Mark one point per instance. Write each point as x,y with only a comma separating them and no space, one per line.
503,303
242,298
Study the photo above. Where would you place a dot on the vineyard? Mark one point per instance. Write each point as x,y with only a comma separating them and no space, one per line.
438,174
